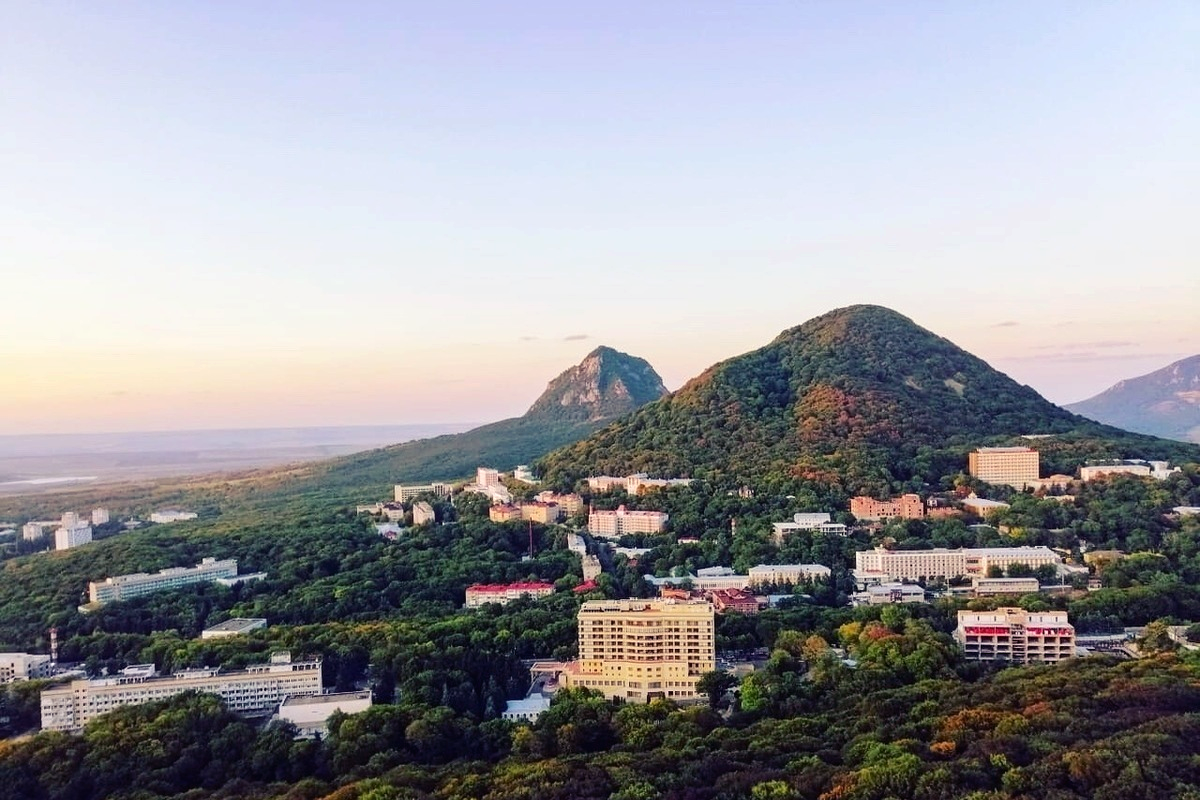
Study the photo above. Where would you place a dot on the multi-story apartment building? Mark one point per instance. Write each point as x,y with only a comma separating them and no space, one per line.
571,504
781,574
257,689
100,516
504,513
908,506
123,587
486,476
881,566
642,650
78,534
23,667
591,567
1015,635
423,513
1011,466
31,531
502,593
541,512
622,521
405,493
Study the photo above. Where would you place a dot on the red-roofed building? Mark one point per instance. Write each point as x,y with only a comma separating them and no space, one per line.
734,600
586,586
504,513
502,593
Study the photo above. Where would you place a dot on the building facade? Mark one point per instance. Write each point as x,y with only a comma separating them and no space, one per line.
23,667
78,534
1009,466
1015,635
257,689
403,493
908,506
171,515
571,504
622,521
642,650
545,513
123,587
503,593
814,522
31,531
100,516
779,574
423,513
504,513
734,601
881,566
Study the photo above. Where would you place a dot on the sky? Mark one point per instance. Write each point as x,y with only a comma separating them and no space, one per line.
297,213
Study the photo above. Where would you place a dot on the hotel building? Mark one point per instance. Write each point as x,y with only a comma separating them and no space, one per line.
1011,466
73,536
816,522
780,574
642,650
257,689
1015,635
909,506
503,593
123,587
885,566
620,522
405,493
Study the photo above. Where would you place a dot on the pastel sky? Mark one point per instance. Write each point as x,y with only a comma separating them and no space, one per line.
293,213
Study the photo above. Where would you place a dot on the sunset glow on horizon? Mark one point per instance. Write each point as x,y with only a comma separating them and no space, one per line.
223,216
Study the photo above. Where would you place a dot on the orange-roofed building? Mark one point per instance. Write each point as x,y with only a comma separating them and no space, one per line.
501,593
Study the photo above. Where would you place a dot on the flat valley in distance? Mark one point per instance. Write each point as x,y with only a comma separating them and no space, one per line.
36,463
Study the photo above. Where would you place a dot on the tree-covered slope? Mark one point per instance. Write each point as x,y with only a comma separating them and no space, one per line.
604,386
861,395
1164,403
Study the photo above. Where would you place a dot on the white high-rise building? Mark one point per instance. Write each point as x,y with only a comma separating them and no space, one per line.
100,516
31,531
66,538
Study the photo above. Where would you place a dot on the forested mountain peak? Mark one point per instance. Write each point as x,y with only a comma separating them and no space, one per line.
605,385
1165,402
861,396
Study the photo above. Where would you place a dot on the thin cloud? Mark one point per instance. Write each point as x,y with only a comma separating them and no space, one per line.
1008,324
576,337
1107,344
528,339
1077,356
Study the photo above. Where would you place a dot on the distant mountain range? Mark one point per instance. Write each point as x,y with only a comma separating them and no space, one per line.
606,385
861,398
1164,403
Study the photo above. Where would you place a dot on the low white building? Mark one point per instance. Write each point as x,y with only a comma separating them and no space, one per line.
526,710
787,573
816,522
1159,470
233,627
167,516
882,566
404,493
310,713
890,594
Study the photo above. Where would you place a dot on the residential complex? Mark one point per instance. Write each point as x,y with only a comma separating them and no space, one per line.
171,515
100,516
503,593
233,627
622,521
123,587
23,667
405,493
908,506
786,574
1015,635
1159,470
257,689
423,513
882,566
641,650
1011,466
633,484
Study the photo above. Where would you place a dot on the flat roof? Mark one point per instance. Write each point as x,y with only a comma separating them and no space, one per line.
238,624
317,699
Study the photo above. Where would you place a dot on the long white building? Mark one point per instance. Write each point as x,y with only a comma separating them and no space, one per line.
123,587
23,667
257,689
885,566
403,493
786,573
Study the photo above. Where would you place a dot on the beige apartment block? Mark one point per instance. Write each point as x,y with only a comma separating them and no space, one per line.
1016,635
1009,466
642,650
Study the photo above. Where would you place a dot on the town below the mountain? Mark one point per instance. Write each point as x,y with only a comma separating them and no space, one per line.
854,564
